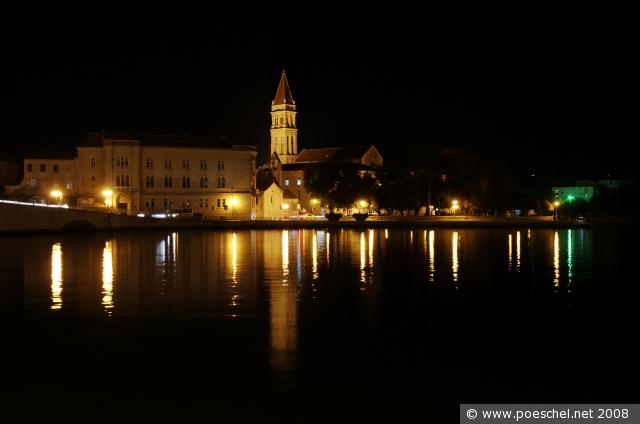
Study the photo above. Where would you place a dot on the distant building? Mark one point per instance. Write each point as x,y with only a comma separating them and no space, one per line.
288,167
46,171
570,194
154,173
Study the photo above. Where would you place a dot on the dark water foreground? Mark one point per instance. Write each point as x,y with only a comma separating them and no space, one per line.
392,321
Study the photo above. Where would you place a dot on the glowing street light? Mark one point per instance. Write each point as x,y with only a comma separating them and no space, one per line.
107,197
455,205
285,206
556,204
57,194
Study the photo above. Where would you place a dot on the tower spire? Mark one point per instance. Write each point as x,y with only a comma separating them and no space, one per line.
284,132
283,94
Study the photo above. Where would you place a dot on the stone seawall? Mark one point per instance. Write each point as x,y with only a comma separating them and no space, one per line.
21,219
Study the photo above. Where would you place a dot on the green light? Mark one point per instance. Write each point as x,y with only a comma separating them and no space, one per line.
571,198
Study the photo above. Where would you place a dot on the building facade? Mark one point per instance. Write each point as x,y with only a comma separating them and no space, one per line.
154,174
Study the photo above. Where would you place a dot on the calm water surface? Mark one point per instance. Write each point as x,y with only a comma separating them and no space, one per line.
489,315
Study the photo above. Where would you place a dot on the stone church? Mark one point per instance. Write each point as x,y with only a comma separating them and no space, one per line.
283,175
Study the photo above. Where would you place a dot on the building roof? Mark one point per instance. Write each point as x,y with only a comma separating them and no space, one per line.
283,94
186,141
264,179
96,139
50,154
347,153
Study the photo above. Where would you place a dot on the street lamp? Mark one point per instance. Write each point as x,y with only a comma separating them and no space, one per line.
107,198
57,194
455,205
556,204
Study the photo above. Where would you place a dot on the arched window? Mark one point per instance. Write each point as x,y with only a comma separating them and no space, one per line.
188,182
201,182
118,180
206,182
126,183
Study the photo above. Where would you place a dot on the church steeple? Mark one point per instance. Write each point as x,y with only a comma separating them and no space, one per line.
284,132
283,94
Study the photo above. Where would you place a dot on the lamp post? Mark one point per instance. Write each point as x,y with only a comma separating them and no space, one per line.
455,205
556,204
107,198
57,194
362,204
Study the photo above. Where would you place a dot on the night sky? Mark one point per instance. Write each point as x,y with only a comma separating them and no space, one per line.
553,89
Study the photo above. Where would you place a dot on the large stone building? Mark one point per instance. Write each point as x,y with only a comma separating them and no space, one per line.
153,173
287,167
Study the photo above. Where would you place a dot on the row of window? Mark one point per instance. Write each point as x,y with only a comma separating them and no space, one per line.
281,120
121,180
43,167
120,162
186,164
186,182
169,204
298,181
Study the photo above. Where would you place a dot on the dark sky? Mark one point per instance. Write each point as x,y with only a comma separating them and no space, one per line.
551,87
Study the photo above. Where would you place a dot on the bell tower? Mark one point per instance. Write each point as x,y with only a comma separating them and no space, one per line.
284,132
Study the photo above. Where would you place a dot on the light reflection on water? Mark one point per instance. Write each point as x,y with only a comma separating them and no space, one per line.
56,276
107,277
224,274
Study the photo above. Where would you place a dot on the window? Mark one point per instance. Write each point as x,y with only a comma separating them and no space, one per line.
166,202
203,165
153,202
218,203
149,163
56,168
69,186
206,203
186,182
43,167
29,167
286,181
118,180
93,163
93,181
167,164
224,203
204,182
167,181
299,181
221,165
201,203
186,164
221,183
150,181
126,183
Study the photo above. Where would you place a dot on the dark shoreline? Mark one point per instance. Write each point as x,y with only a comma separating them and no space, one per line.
343,224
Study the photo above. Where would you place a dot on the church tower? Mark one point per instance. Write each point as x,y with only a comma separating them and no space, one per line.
284,132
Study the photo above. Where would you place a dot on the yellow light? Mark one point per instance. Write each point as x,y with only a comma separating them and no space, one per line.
233,201
363,203
556,203
314,201
285,206
56,193
107,193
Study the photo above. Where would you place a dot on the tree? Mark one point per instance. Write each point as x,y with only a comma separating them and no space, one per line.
341,184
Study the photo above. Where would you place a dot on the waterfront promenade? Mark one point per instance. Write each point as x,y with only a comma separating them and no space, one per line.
20,218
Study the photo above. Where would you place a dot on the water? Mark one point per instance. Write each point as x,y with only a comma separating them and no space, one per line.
417,317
